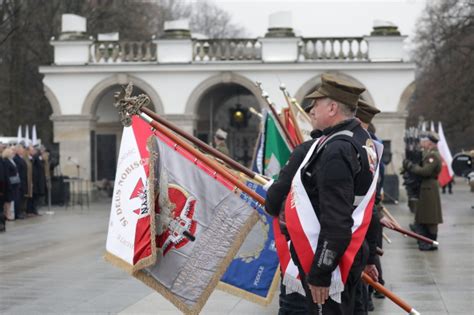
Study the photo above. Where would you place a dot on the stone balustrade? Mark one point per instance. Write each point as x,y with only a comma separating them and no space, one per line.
340,48
122,51
244,49
226,50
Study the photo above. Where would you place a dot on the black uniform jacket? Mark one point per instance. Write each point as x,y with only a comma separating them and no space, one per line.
332,178
22,171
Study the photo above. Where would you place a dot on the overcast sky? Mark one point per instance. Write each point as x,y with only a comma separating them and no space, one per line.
314,18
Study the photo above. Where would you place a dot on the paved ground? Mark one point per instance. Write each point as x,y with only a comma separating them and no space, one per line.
53,264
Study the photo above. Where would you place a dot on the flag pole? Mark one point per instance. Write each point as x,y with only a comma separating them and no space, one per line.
271,105
129,106
390,216
292,114
219,169
411,234
395,299
204,146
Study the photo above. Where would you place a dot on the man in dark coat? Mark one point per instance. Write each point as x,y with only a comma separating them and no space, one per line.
38,177
332,178
3,188
428,212
20,204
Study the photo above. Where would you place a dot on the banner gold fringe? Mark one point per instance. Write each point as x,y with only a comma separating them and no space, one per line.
185,308
254,298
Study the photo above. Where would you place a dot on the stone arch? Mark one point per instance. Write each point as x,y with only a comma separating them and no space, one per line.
309,85
192,105
405,97
90,107
52,99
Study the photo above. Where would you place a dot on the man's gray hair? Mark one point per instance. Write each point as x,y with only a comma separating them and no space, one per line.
346,110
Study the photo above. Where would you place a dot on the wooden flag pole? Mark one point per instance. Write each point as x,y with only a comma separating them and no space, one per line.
128,106
413,235
390,216
291,113
219,169
271,105
204,146
394,298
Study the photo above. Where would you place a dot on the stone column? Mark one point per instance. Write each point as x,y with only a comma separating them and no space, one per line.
280,43
73,133
73,45
385,43
391,126
175,46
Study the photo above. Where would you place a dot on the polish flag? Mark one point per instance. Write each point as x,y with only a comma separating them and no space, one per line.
447,173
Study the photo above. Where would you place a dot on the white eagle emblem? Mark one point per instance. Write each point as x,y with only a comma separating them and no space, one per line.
371,155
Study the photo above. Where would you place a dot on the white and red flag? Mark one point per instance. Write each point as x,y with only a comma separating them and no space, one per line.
447,173
304,228
130,238
200,223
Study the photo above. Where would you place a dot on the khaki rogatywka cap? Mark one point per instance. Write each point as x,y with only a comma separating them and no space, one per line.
366,112
337,89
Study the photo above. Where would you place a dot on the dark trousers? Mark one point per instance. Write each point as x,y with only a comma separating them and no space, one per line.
2,216
31,205
296,304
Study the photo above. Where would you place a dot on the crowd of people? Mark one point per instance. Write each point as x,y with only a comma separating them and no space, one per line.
24,181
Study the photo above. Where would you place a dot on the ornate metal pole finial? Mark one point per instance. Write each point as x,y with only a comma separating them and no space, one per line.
128,105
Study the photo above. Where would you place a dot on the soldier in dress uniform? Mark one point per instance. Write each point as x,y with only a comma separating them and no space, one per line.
428,213
219,139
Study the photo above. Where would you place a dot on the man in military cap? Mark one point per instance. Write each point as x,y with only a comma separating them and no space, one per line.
219,140
428,212
365,113
336,172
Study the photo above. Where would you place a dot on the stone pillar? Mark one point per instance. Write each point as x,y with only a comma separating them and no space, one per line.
73,45
73,133
391,126
280,43
187,122
385,43
175,46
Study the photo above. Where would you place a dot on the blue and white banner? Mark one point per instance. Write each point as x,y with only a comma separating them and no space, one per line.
254,272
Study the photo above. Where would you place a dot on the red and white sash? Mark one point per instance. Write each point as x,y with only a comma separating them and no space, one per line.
304,228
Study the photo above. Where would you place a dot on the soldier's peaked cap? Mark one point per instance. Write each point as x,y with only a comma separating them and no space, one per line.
366,112
338,89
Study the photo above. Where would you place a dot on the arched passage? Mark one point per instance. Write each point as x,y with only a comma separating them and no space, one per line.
53,101
226,106
90,103
221,78
405,98
107,130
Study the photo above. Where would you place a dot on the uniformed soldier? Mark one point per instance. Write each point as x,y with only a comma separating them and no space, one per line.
332,178
219,139
428,213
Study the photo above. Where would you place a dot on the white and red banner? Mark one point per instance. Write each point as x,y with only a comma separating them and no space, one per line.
304,228
200,223
447,173
130,238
